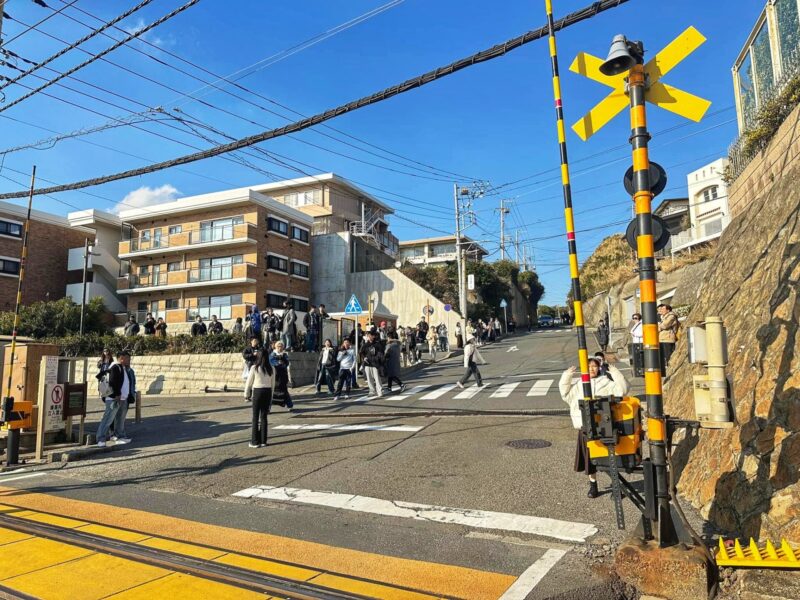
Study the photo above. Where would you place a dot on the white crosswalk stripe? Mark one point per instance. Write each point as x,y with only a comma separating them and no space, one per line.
540,388
470,392
408,393
325,426
504,391
438,393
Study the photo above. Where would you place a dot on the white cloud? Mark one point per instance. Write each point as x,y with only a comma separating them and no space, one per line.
147,196
151,37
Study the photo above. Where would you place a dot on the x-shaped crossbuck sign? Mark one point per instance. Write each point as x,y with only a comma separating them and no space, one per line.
670,98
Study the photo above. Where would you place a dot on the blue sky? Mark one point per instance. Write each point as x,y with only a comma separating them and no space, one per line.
493,121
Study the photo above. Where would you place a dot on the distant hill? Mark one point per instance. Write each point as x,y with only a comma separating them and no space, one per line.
611,263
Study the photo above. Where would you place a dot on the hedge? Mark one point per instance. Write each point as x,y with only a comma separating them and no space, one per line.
139,345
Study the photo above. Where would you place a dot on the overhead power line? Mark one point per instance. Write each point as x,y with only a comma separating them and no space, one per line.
439,73
47,18
95,57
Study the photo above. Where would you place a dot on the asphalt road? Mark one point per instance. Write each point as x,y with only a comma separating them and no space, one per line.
427,475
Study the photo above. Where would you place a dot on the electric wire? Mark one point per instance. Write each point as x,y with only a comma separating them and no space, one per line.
45,19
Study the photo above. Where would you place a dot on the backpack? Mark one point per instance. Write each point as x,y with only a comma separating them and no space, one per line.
103,386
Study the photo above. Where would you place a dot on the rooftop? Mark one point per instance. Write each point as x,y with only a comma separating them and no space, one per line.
21,212
441,239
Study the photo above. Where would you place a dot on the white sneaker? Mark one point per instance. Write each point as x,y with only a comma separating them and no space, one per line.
124,440
252,445
113,438
101,444
460,385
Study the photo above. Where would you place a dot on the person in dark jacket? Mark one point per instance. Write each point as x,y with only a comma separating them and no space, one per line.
198,327
132,327
149,325
312,323
238,326
602,335
271,325
249,356
161,327
288,326
215,327
372,359
121,390
392,364
327,366
279,359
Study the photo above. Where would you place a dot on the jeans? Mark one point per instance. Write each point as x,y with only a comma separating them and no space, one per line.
470,370
112,407
374,381
311,341
443,344
119,420
345,376
288,341
262,402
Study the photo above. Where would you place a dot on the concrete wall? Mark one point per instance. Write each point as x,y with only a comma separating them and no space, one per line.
182,374
520,307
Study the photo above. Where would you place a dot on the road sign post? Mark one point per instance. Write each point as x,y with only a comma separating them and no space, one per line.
504,305
353,307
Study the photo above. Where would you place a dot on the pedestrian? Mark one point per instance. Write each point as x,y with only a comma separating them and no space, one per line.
120,389
422,340
161,327
131,327
198,327
471,358
347,361
498,328
255,321
149,324
391,332
119,436
383,334
103,364
636,329
327,367
433,343
238,326
602,335
459,336
411,337
372,361
403,345
603,364
215,327
258,390
288,326
572,394
279,359
249,355
667,332
442,331
392,364
271,323
311,322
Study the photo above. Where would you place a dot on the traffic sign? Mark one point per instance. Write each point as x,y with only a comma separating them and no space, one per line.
667,97
427,310
471,281
353,306
503,303
448,307
57,395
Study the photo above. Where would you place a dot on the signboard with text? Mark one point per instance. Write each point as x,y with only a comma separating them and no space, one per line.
54,397
74,404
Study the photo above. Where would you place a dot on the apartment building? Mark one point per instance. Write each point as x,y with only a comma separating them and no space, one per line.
47,274
438,251
708,206
214,254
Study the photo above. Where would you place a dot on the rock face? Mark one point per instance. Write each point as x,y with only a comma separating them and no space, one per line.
745,479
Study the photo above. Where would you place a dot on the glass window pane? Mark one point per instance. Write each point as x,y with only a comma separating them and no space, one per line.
747,90
763,59
788,31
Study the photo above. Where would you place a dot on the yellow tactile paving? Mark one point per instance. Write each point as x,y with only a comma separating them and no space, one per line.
114,533
33,554
365,588
182,548
9,536
90,578
185,587
432,578
49,519
267,566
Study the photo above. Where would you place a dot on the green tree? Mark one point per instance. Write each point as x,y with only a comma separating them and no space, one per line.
57,318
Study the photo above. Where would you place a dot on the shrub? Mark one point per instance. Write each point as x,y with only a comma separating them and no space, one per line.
141,345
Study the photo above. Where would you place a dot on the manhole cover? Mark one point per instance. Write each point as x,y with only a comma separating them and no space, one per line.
531,444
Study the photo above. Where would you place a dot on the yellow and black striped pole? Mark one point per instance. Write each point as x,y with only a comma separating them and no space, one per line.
13,434
583,354
656,422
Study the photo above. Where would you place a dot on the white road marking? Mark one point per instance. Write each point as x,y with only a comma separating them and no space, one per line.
523,586
479,519
504,391
470,392
540,388
321,426
408,393
438,393
21,477
512,349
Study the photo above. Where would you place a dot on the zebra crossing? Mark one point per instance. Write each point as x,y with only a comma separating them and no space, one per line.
538,388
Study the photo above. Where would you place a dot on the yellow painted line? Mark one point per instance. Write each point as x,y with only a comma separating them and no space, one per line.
267,566
431,578
9,536
90,578
34,554
182,548
184,587
54,520
113,533
366,588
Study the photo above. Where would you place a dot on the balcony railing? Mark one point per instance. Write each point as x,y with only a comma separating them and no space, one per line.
189,237
193,275
699,234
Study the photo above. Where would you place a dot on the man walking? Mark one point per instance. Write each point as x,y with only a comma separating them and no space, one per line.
120,382
471,358
288,326
372,359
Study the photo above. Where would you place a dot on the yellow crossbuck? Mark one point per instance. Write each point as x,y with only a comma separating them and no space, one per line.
667,97
782,557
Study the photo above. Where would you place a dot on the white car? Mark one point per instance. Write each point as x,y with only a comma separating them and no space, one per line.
545,321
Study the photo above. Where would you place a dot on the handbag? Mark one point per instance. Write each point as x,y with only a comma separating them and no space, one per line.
104,387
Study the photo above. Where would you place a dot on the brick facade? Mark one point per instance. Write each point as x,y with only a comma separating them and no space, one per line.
46,272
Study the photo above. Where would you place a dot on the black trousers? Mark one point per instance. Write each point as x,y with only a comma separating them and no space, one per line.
472,369
262,402
344,380
666,352
389,381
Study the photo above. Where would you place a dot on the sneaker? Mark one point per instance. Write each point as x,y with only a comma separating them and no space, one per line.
402,387
251,445
347,396
262,445
113,438
123,440
336,398
593,491
101,444
460,385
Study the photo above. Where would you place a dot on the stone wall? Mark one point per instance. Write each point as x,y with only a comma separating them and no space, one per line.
183,374
745,479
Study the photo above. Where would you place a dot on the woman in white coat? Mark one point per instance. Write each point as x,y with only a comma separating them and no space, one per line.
572,394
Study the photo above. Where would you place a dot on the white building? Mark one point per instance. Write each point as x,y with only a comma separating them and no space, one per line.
708,207
439,250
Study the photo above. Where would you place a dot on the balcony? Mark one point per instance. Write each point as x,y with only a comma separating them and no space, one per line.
187,315
226,235
699,234
188,278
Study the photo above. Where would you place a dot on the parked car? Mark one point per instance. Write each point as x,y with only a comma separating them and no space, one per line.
545,321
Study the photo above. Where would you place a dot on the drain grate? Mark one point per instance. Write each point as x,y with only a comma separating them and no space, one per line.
530,444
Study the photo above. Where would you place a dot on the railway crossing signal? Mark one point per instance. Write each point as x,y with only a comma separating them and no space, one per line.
665,96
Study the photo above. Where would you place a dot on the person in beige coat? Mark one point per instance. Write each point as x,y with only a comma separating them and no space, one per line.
667,331
612,384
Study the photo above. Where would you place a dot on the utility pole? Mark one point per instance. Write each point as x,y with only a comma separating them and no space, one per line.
86,254
503,212
462,292
2,8
516,247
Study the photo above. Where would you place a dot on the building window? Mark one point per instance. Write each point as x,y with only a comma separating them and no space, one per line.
175,229
303,198
275,300
762,56
278,226
144,270
299,269
277,263
174,266
442,249
221,306
145,235
710,193
788,31
218,230
212,269
172,303
9,266
300,305
299,234
141,306
747,89
10,229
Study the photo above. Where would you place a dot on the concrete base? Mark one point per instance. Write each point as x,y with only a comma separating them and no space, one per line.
675,573
769,584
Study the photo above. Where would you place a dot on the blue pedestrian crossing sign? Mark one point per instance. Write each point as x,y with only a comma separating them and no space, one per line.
353,306
503,303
